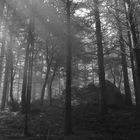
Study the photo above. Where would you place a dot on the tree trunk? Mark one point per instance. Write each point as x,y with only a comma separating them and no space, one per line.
2,3
100,58
11,87
120,80
11,68
24,84
49,62
27,81
133,65
1,62
50,86
136,46
34,87
128,99
44,85
18,87
85,75
6,81
93,74
68,119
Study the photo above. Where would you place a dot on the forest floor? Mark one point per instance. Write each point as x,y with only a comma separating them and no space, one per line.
87,125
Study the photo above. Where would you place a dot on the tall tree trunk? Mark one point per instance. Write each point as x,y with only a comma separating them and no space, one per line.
29,69
128,99
2,3
6,81
24,84
135,82
100,58
68,119
11,68
136,46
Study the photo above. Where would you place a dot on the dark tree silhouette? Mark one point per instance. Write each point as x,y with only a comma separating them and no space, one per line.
68,120
100,57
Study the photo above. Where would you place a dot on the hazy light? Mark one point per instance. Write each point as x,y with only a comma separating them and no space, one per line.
82,12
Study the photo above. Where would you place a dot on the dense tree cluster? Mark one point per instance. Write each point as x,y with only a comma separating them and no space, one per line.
48,46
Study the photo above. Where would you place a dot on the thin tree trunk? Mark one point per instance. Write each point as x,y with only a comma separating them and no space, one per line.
18,88
44,85
1,62
11,87
100,58
59,76
120,80
85,75
34,87
49,62
50,86
93,74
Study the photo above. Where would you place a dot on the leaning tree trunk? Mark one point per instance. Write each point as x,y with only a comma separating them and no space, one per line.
101,70
44,84
49,62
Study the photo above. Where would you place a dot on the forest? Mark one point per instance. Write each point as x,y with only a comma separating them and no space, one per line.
69,69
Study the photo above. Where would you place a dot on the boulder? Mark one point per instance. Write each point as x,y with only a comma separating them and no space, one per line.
91,87
114,96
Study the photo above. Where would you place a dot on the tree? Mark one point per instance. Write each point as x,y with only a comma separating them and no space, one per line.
101,70
128,100
68,120
6,81
49,58
135,44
